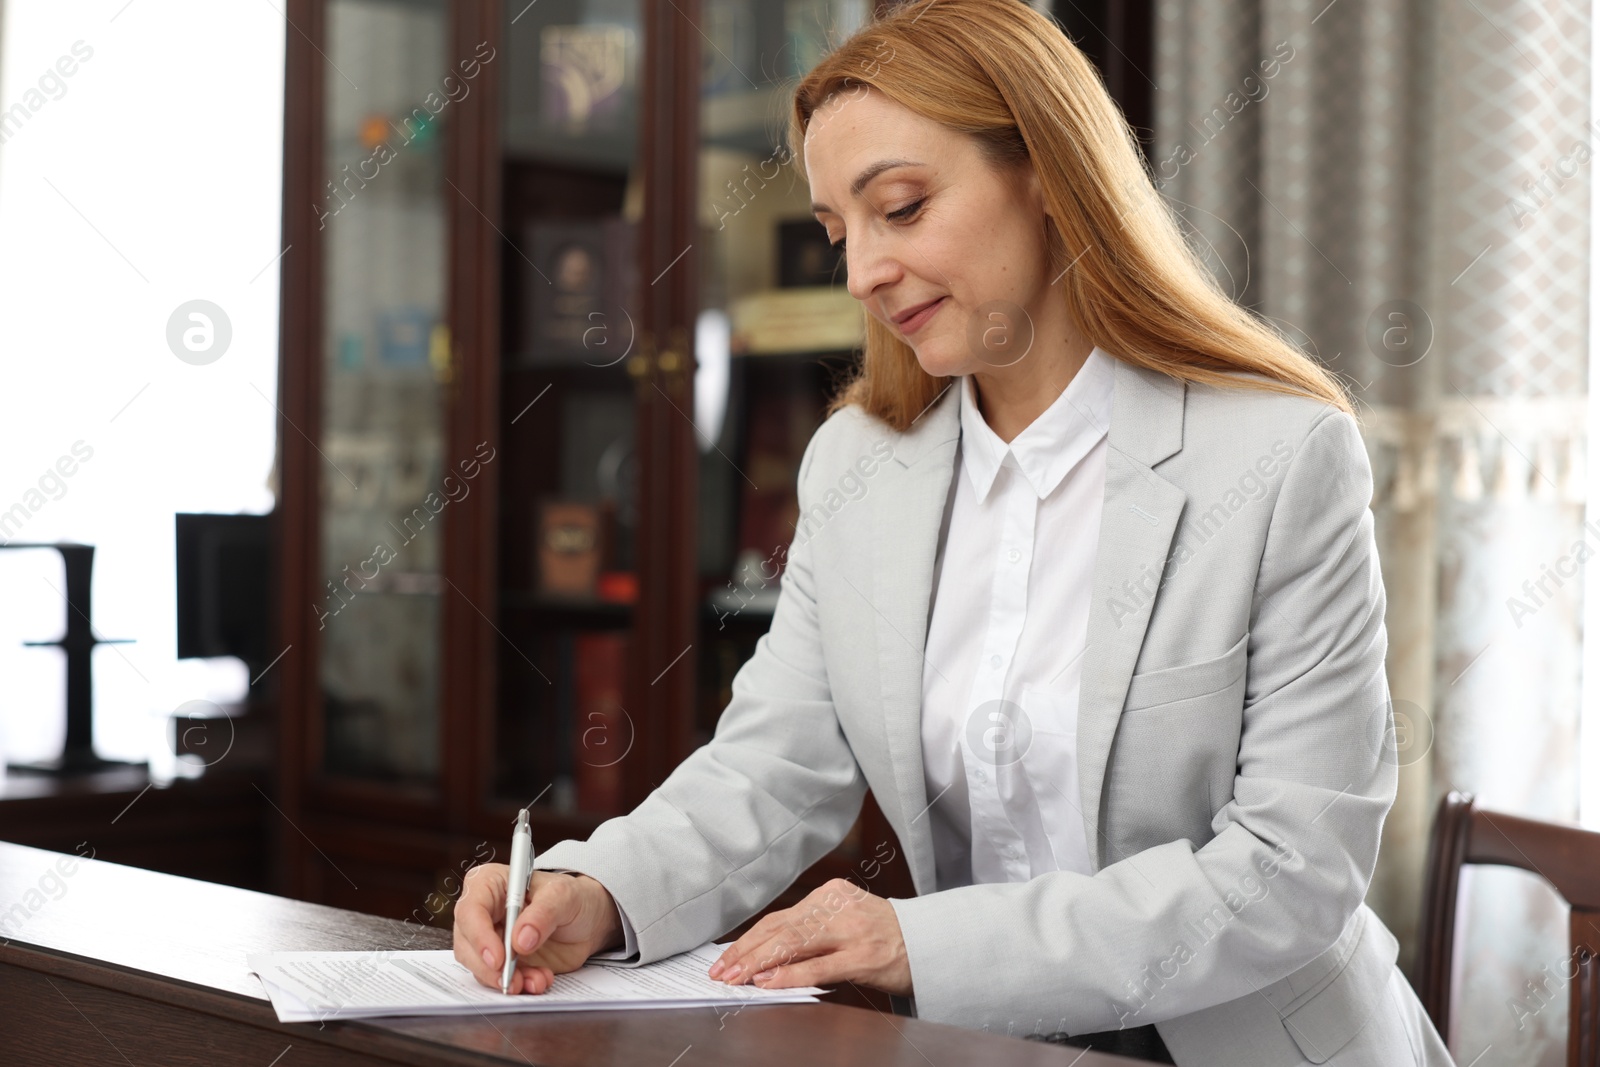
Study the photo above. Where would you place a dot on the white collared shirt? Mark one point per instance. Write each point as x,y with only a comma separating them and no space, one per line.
1006,636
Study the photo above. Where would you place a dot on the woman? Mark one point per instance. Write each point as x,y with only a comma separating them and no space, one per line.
1084,589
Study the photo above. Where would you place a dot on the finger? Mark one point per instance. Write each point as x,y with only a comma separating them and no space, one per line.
762,942
758,934
735,959
521,980
533,979
824,969
785,946
555,903
477,940
810,928
800,931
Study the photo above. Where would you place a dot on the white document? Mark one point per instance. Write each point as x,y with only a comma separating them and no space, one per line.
316,986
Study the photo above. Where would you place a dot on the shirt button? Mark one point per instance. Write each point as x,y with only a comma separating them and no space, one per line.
994,661
981,776
1013,555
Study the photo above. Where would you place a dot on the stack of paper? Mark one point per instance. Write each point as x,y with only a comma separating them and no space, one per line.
316,986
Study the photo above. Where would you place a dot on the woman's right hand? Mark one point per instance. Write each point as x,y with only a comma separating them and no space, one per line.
565,919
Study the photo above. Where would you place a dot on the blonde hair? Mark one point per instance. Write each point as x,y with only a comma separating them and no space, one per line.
1004,74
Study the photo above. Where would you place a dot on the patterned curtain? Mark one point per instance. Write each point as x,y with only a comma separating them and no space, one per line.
1402,186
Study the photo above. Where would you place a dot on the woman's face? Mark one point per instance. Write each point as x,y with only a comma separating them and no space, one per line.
925,218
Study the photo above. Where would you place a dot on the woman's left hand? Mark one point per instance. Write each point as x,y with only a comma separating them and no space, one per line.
839,933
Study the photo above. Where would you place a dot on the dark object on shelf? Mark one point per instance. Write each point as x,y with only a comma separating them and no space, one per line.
224,578
77,751
603,733
598,464
1565,856
561,613
805,257
570,543
567,286
584,289
779,426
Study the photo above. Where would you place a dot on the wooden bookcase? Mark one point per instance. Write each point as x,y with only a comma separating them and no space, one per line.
434,151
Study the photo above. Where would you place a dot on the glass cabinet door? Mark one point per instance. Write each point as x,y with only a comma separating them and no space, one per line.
385,369
776,325
570,299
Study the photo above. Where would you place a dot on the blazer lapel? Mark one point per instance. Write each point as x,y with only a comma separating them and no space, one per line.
907,512
1138,520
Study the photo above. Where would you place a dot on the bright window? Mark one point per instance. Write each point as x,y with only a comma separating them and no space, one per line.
140,169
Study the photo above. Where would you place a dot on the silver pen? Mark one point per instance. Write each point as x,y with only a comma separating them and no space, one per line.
517,889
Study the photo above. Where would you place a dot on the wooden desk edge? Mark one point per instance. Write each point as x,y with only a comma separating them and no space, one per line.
397,1040
352,1035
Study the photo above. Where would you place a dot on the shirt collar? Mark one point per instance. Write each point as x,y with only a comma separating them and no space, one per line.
1049,446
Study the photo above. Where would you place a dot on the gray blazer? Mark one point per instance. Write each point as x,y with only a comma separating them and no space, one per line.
1231,740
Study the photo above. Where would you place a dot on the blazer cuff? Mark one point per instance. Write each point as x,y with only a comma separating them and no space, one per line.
924,928
629,952
630,944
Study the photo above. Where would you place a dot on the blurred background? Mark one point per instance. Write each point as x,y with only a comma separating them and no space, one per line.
429,379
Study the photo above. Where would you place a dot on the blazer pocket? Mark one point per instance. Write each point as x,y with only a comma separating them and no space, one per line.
1328,1016
1149,689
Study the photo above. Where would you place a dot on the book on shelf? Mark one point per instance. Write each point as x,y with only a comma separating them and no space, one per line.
809,318
602,734
778,425
571,542
587,75
403,336
581,301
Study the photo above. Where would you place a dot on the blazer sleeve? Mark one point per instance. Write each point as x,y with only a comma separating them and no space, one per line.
775,789
1175,929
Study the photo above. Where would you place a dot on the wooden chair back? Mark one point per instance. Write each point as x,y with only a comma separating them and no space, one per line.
1565,856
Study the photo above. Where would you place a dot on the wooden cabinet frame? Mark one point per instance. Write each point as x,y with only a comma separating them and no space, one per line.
460,808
